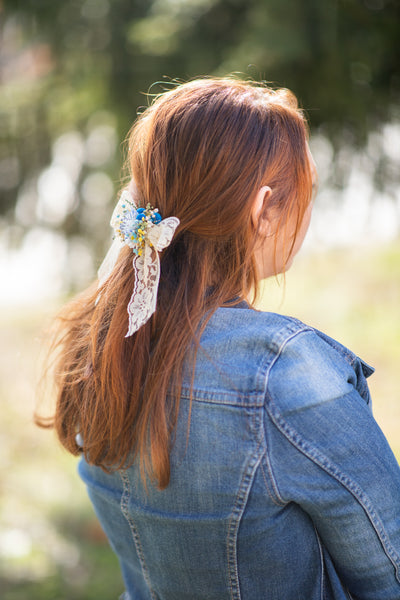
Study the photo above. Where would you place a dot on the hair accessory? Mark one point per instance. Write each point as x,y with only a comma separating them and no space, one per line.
143,230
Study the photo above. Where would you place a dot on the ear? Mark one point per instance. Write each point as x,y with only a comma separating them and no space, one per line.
259,215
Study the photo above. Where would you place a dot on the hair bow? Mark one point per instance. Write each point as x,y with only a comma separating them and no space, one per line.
143,230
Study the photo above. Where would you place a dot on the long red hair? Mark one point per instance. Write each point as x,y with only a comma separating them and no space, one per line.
200,152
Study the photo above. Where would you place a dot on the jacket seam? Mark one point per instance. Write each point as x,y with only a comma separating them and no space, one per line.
266,376
274,496
135,535
236,517
283,344
280,350
331,468
321,558
256,396
250,399
349,356
323,578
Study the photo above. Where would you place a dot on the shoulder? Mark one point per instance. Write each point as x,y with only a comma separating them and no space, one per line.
245,335
313,368
249,353
237,348
287,337
262,329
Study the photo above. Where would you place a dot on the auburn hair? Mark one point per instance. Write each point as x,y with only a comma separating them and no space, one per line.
200,152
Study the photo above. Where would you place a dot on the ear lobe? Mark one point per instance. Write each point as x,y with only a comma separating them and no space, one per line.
258,213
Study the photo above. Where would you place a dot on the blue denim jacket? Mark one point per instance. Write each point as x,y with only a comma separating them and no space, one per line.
284,488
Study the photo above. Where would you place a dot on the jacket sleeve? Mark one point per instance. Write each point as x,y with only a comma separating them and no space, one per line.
329,456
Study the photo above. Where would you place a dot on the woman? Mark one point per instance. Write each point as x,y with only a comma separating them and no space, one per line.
228,453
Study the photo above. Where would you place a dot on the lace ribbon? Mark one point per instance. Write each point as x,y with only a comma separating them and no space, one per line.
146,262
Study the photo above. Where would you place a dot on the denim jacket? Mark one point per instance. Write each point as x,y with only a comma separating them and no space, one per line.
283,487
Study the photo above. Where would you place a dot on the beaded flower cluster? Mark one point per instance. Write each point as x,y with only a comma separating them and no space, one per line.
132,225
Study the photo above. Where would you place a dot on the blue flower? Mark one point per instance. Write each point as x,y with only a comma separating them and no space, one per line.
140,213
156,218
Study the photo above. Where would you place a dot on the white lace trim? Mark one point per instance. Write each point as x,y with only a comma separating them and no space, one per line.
146,266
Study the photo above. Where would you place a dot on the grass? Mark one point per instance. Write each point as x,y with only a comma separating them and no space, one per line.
51,546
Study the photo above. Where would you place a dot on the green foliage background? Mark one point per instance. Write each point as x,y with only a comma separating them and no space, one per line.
341,58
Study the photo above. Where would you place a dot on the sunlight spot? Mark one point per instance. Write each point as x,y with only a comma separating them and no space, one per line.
97,190
25,208
391,141
68,153
56,195
322,151
15,543
80,263
35,271
100,145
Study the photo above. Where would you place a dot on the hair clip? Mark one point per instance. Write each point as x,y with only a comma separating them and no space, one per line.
143,230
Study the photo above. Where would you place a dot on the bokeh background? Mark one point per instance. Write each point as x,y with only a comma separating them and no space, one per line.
73,77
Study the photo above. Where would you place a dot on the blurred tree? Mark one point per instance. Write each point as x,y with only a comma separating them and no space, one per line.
62,62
